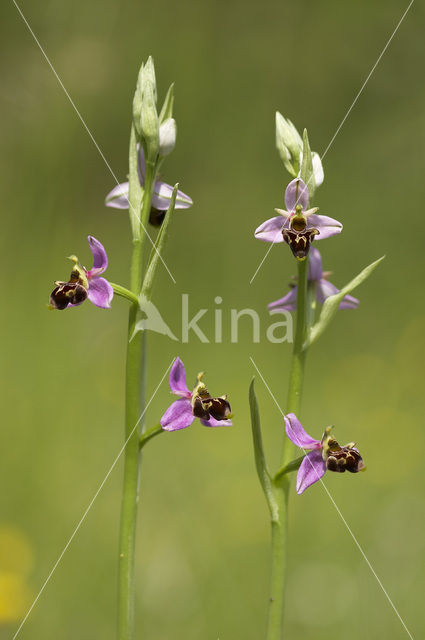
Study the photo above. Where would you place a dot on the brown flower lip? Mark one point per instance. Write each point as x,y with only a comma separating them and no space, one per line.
205,407
299,242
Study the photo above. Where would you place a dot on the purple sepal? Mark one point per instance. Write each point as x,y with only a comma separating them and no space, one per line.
312,468
118,197
100,292
100,258
271,230
296,193
177,379
287,303
296,433
212,422
178,415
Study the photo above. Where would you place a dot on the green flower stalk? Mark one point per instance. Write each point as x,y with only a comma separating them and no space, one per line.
144,135
298,226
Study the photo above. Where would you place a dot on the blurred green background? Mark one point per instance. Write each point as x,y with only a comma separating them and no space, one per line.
203,542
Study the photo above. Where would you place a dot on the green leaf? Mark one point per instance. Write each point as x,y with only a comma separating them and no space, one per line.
294,465
307,173
260,459
158,249
167,107
331,304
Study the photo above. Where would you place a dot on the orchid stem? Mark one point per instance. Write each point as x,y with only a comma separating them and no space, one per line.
135,402
149,434
281,481
124,293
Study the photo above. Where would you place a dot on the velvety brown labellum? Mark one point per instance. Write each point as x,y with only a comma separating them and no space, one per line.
156,217
199,410
206,407
67,293
341,459
299,242
219,408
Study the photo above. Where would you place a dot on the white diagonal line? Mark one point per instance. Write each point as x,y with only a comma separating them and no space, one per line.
89,506
102,155
338,129
338,509
367,79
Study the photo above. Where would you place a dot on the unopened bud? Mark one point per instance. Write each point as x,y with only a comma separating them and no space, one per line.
167,137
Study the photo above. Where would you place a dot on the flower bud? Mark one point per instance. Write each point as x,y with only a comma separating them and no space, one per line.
137,101
149,125
145,115
167,137
289,144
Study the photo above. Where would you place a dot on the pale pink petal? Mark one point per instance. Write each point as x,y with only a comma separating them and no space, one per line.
118,197
161,197
312,468
314,264
326,226
296,193
297,434
177,379
212,422
271,230
100,258
287,303
100,292
178,415
325,289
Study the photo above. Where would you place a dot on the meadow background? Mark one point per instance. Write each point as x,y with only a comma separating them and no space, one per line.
203,548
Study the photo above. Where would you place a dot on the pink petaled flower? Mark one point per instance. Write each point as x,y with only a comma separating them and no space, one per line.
324,454
85,283
212,412
323,288
297,226
161,196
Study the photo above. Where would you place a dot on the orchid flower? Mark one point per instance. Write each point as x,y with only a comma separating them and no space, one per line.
85,283
297,226
323,288
324,454
161,196
212,412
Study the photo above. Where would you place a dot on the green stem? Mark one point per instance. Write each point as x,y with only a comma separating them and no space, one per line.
150,174
279,526
149,434
134,373
124,293
281,481
135,401
294,465
298,354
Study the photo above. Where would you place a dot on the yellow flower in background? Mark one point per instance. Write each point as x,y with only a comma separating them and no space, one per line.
16,561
